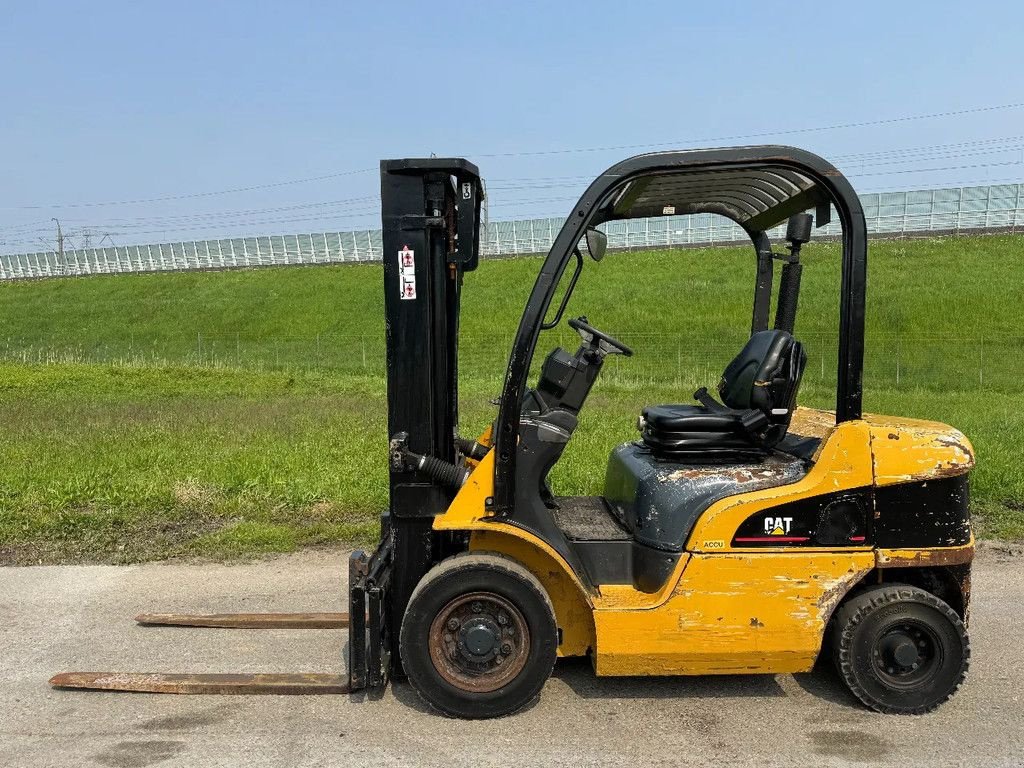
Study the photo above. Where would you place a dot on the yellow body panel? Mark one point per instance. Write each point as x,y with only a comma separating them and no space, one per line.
843,463
732,614
569,597
485,436
573,613
908,450
811,422
724,609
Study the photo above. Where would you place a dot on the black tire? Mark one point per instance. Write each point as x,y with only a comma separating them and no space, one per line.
515,634
899,649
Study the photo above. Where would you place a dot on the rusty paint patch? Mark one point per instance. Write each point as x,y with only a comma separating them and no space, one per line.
810,422
771,469
894,558
948,469
926,450
830,598
965,591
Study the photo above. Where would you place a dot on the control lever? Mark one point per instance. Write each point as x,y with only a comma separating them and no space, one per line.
606,345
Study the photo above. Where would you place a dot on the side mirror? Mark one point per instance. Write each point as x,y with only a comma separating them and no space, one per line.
597,244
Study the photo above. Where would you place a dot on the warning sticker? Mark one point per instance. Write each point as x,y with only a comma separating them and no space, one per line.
408,286
668,210
407,273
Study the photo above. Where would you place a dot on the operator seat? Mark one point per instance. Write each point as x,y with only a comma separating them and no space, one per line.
758,391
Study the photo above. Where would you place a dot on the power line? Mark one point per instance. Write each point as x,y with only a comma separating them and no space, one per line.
351,208
946,185
930,170
907,154
194,195
535,153
765,134
184,219
931,147
229,218
215,221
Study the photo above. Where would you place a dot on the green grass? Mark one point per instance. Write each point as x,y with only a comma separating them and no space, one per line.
236,413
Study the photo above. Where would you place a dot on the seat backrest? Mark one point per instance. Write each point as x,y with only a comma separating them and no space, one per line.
765,376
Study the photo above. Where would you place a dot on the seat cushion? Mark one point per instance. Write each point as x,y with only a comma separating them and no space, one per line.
747,381
690,418
758,391
693,430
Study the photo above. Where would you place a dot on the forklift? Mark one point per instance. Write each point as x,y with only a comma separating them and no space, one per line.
740,533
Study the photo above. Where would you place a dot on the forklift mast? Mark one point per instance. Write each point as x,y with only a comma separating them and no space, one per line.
431,236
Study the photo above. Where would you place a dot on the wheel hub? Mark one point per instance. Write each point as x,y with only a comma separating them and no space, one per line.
905,654
480,637
479,641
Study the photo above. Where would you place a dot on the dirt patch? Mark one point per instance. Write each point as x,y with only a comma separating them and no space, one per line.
1000,551
855,746
188,721
138,754
92,537
189,493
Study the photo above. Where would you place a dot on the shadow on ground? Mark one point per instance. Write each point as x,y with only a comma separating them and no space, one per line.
578,675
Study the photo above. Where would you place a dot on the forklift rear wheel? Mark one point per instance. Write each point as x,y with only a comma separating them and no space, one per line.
479,637
900,649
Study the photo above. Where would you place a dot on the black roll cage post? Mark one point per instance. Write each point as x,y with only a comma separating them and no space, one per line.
831,187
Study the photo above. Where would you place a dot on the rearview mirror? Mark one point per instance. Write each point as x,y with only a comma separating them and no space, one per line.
597,244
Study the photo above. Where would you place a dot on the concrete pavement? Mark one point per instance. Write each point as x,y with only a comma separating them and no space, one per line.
79,618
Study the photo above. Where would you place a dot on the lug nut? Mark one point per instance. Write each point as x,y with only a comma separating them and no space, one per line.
476,607
453,624
506,648
502,619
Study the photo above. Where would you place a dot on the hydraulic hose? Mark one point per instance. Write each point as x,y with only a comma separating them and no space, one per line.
444,472
471,449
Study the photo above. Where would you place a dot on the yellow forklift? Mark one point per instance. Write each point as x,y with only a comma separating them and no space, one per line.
739,533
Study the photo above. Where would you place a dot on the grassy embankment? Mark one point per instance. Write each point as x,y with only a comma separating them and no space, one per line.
233,413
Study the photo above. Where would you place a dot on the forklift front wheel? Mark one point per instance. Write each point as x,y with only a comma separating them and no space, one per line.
479,637
900,650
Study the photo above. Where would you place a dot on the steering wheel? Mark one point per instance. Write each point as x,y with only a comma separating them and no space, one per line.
589,333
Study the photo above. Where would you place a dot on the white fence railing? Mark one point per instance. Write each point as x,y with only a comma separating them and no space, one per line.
961,209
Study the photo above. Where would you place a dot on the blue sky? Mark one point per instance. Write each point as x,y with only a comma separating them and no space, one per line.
116,102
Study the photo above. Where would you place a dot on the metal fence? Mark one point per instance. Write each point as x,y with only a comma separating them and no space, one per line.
893,361
891,214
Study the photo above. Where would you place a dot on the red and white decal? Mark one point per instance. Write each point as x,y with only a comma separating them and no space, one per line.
407,273
776,530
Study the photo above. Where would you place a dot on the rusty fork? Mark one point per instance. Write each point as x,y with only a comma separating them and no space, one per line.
246,620
155,682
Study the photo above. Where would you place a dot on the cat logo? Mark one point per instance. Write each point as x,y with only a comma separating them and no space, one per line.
777,526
